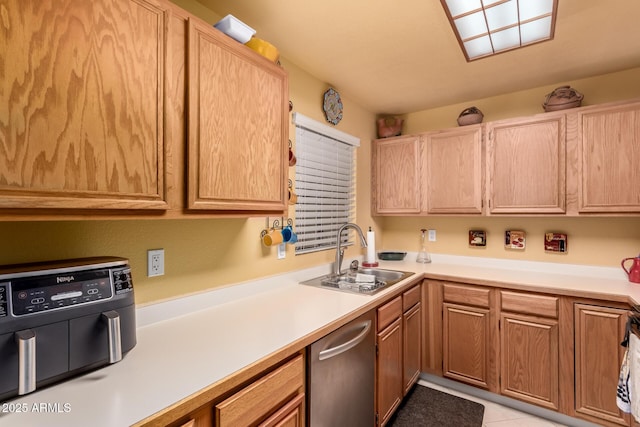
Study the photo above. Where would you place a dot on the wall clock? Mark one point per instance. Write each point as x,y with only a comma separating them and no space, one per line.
332,106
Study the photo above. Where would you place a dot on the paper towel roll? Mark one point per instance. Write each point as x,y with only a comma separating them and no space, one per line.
371,247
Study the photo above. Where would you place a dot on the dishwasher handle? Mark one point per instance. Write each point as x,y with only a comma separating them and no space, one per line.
339,349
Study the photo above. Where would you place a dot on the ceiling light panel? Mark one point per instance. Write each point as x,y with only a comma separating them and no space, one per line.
534,31
506,39
472,25
530,9
502,15
458,7
487,27
478,47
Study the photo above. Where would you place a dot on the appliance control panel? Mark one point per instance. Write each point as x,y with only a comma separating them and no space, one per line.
22,296
4,300
122,281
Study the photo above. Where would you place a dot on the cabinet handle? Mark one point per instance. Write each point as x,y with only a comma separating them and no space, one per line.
115,340
26,361
334,351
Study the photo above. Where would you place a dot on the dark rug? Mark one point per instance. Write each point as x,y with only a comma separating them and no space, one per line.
427,407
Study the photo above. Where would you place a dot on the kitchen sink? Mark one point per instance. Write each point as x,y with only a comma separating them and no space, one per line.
350,281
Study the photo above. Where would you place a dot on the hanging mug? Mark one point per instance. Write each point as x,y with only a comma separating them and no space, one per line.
288,235
273,238
293,197
292,158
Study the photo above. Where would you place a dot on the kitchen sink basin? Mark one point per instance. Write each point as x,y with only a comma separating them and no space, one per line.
350,281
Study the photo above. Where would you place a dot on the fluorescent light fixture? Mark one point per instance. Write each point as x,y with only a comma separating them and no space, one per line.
488,27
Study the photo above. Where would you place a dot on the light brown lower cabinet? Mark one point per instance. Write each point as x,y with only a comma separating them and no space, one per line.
529,360
389,386
598,355
277,397
398,351
468,335
557,352
412,336
465,344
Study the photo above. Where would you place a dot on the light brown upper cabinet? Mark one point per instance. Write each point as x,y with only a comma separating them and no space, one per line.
452,171
608,163
237,126
82,95
396,187
526,165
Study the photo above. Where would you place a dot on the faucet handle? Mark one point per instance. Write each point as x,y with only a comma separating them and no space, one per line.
354,265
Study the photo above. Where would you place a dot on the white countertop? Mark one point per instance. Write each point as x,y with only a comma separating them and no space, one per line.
187,344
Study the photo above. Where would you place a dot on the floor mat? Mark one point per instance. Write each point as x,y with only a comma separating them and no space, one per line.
427,407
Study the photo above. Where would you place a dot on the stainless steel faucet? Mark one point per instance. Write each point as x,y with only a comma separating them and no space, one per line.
337,267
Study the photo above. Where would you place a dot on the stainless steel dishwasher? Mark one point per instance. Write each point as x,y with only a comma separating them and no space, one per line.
341,376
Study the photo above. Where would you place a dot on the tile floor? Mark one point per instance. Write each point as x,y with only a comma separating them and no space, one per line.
496,415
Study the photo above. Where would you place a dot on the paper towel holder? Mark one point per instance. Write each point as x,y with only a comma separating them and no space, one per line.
371,249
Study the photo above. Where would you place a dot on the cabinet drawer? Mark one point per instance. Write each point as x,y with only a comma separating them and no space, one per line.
389,312
540,305
466,295
259,399
410,298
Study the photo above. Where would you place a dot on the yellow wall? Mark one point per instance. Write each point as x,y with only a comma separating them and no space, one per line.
596,90
206,253
596,241
199,253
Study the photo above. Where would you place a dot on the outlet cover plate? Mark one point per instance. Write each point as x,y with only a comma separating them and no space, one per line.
155,262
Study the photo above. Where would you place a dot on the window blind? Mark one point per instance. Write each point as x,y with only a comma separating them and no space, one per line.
324,183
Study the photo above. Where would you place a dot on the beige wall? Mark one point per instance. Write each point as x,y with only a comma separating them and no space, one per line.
206,253
598,241
596,90
199,253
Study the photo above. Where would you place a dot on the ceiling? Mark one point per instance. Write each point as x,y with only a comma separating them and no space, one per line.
402,56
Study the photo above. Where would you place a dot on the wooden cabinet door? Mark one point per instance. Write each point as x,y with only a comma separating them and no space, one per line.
274,398
598,357
526,165
290,415
389,371
529,359
412,336
396,187
452,171
609,159
237,126
82,91
465,339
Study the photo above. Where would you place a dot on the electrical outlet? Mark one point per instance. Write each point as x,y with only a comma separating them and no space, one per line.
155,262
432,235
281,251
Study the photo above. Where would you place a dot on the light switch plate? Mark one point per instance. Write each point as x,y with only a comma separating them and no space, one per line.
282,252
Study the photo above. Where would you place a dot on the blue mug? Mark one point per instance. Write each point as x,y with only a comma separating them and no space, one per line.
288,235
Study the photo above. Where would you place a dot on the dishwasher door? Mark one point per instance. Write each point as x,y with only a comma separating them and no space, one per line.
341,376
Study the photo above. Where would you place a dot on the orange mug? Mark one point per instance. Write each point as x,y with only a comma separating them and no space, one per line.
293,197
273,238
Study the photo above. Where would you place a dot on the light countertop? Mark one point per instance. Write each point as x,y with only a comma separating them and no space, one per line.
187,344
